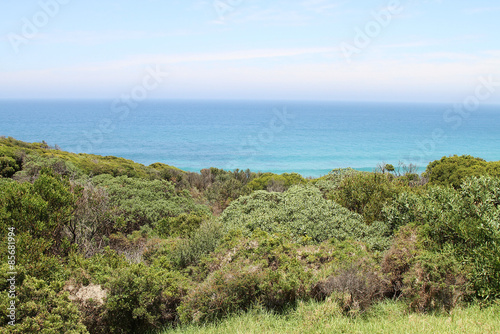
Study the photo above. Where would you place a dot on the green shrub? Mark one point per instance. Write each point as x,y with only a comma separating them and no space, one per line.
182,225
143,298
367,194
41,307
428,280
464,222
8,167
301,212
455,169
274,182
203,241
38,213
264,270
144,202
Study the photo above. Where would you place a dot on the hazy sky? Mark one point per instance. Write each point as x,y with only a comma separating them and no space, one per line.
389,50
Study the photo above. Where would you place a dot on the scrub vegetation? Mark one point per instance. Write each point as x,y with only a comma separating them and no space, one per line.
107,245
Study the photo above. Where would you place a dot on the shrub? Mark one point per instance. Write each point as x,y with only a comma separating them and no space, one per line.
182,225
8,167
203,241
367,194
455,169
243,272
354,288
274,182
434,282
144,202
301,212
40,307
143,298
465,221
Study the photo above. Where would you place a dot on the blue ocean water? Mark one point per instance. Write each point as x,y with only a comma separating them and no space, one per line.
310,138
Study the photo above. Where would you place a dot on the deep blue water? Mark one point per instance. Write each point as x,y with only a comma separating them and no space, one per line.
310,138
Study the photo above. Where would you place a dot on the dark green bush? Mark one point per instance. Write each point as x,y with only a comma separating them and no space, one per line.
428,280
464,222
41,306
143,298
275,182
367,194
455,169
8,166
182,225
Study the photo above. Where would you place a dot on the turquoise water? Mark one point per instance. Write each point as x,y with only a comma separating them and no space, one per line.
310,138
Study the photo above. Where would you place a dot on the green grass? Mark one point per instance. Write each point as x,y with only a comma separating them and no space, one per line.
386,317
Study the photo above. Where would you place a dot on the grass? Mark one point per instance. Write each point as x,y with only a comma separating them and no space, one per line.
386,317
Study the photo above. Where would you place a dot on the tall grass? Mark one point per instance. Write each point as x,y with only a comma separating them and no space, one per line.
326,317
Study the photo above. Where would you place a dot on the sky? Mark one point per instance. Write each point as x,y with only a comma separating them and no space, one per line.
345,50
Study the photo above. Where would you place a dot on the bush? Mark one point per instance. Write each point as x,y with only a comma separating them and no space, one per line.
203,241
274,182
301,212
455,169
434,282
464,222
143,202
143,298
244,272
182,225
367,194
8,167
427,280
40,307
354,288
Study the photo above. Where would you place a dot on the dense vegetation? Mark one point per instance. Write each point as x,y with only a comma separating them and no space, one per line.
106,245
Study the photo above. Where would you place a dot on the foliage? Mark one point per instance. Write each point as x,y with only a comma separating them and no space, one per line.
427,280
8,166
183,225
201,243
145,202
274,182
367,194
301,212
264,269
89,164
38,213
143,298
41,306
464,222
455,169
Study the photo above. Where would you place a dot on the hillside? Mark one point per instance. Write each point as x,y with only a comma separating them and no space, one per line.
108,245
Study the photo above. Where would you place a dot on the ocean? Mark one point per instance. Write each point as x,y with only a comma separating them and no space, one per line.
307,137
